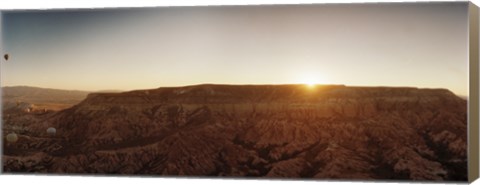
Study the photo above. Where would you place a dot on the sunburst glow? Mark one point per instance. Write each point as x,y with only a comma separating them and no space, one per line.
310,83
311,80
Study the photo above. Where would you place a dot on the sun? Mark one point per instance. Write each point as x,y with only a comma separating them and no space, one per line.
311,80
310,84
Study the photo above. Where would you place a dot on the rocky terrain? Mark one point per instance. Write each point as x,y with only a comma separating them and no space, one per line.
273,131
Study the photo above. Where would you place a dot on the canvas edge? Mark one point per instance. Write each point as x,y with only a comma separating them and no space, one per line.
2,50
473,97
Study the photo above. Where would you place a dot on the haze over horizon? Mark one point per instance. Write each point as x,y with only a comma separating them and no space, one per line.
420,45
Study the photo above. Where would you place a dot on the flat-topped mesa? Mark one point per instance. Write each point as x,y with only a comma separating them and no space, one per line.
221,94
392,92
209,93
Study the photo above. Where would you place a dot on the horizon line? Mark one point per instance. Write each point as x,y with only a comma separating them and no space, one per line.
200,84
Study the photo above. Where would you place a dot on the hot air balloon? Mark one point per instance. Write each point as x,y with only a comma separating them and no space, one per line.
51,131
5,56
12,138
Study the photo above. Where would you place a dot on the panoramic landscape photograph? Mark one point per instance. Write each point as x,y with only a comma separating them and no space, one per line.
374,91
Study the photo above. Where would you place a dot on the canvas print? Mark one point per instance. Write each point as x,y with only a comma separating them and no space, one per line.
373,91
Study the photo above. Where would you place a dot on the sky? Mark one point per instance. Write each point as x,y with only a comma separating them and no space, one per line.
416,45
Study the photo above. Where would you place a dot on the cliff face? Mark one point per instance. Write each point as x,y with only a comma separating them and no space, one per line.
328,132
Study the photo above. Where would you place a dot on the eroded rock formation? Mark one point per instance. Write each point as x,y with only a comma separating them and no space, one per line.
281,131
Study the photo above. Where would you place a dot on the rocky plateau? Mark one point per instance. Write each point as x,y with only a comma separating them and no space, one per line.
261,131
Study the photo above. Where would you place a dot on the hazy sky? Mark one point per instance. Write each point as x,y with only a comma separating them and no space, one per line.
421,45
